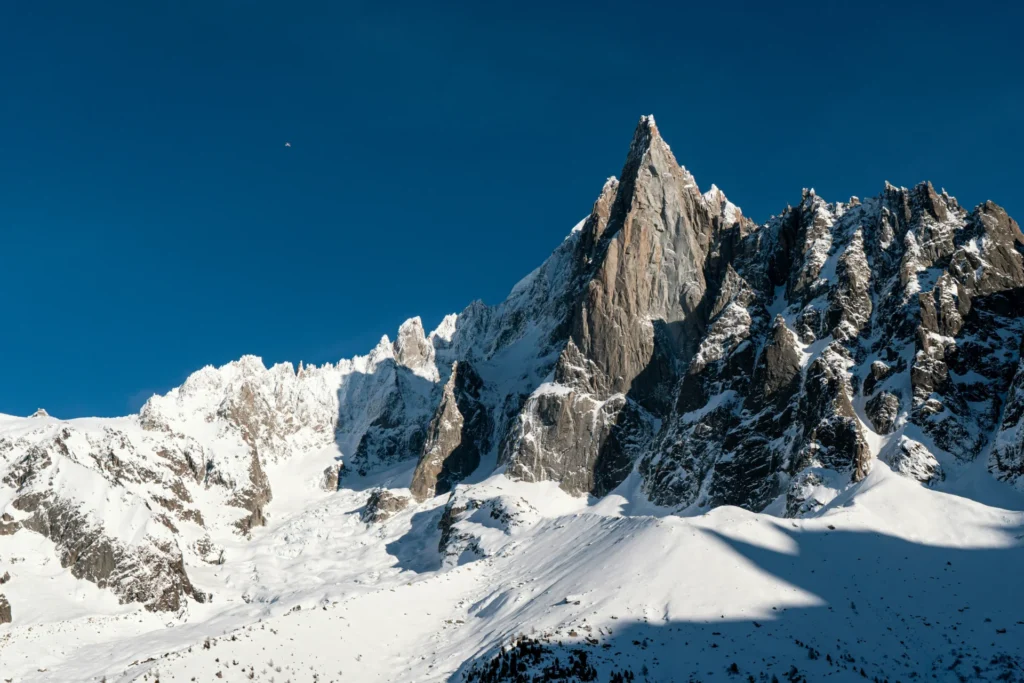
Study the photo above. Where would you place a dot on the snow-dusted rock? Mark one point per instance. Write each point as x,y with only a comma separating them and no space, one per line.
474,525
382,504
912,459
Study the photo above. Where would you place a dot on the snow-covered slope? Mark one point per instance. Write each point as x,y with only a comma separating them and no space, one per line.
895,579
684,442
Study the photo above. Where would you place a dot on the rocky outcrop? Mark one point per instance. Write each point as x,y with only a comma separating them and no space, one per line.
331,477
252,496
834,435
883,409
400,403
725,359
567,433
458,434
471,521
413,350
851,281
382,505
912,459
7,524
148,567
1007,458
5,610
777,374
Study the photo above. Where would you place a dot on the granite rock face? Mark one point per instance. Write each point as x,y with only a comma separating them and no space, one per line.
735,363
458,434
634,319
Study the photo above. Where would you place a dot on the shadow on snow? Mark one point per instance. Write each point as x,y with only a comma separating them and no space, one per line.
890,610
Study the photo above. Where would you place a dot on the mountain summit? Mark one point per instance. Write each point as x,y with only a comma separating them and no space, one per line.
670,351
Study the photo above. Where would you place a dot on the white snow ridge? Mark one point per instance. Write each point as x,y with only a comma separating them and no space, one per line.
687,447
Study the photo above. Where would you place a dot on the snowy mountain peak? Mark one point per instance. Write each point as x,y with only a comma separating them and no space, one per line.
670,358
413,350
718,203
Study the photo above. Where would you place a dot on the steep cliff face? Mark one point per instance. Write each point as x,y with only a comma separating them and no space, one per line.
636,316
646,275
895,329
458,434
743,364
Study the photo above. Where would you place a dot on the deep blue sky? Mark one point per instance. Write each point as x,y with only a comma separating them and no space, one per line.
154,222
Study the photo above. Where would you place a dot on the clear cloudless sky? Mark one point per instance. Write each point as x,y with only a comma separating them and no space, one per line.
154,222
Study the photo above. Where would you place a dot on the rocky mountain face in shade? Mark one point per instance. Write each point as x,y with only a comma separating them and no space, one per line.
670,348
458,434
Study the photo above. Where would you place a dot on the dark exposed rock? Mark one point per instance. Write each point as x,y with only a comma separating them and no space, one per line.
1007,460
397,432
777,377
7,525
641,285
878,372
458,434
849,309
153,574
905,275
883,409
828,416
382,504
801,496
595,441
208,551
147,566
5,610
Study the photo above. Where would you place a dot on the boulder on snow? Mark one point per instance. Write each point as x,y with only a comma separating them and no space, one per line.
382,505
911,459
7,525
330,478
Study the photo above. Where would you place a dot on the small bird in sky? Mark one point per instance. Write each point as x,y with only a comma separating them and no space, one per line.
287,144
